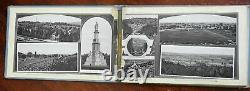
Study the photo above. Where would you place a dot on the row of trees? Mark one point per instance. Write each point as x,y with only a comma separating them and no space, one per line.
170,68
64,32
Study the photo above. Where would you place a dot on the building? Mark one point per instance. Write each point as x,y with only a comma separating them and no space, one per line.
95,57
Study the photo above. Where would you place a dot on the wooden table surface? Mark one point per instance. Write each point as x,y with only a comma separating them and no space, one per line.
41,85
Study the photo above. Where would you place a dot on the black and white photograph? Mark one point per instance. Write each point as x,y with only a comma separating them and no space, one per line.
198,29
48,28
140,25
47,57
197,61
198,45
96,44
139,33
142,65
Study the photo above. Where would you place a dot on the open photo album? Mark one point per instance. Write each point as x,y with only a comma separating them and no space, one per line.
182,45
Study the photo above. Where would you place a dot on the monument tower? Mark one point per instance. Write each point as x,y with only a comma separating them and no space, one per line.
96,58
95,44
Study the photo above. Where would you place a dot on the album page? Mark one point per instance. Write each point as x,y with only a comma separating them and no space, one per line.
193,45
61,42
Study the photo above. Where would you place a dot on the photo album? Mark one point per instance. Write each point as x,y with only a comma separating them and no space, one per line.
156,44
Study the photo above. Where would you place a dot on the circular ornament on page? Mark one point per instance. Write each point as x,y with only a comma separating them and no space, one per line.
137,45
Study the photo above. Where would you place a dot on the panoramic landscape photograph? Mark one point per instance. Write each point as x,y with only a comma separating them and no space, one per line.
197,61
198,30
47,57
48,28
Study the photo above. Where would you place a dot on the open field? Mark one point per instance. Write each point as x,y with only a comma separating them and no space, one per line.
206,38
199,34
203,65
47,63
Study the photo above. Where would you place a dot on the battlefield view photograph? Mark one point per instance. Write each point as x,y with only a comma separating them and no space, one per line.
48,28
96,45
197,61
198,30
47,57
200,45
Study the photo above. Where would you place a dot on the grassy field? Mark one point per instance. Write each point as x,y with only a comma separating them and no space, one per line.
197,65
66,63
194,38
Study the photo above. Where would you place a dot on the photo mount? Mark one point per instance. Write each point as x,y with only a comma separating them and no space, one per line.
142,37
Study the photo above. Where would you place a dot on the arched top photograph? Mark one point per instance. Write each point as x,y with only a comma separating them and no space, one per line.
96,40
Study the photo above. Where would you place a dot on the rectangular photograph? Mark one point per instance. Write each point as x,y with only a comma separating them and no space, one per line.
198,29
197,61
47,28
142,64
47,57
97,43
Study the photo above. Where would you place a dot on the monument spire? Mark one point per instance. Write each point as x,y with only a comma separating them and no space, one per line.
96,33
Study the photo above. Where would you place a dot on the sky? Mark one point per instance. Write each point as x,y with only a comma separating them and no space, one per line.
198,18
48,48
50,18
198,50
140,16
105,35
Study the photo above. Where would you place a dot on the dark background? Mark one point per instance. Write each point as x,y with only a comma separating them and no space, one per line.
42,85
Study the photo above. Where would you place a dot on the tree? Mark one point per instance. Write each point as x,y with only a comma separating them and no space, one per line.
29,54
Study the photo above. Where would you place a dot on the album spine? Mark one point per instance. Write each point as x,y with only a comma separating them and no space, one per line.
119,37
